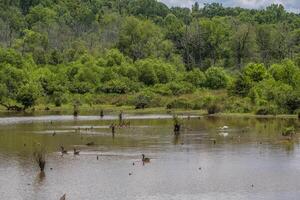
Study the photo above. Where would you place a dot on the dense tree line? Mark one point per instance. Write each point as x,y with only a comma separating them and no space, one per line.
54,51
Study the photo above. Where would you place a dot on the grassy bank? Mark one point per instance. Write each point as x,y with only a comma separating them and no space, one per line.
86,109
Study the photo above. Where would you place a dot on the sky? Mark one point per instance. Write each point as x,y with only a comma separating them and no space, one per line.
290,5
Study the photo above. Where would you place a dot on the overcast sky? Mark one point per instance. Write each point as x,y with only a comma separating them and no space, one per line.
290,5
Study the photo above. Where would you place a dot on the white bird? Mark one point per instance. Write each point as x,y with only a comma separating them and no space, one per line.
224,127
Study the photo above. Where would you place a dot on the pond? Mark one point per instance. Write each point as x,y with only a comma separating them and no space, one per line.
211,158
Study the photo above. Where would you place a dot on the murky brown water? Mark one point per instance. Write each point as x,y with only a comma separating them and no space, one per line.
250,160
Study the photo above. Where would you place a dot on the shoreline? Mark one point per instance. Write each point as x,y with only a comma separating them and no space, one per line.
86,110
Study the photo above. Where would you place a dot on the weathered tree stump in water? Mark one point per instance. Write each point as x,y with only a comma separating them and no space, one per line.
177,125
75,110
40,159
63,197
120,117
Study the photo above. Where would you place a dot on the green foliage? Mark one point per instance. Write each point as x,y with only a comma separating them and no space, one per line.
255,72
279,93
267,110
178,88
181,103
143,99
28,94
120,86
195,77
216,78
289,131
55,51
286,72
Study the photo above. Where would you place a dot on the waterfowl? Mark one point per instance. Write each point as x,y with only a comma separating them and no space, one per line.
224,127
63,151
76,152
90,144
145,159
54,133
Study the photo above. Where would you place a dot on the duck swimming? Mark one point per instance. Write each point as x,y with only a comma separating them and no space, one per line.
63,151
76,152
145,159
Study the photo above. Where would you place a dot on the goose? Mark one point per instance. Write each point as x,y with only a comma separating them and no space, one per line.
76,152
90,143
144,159
63,151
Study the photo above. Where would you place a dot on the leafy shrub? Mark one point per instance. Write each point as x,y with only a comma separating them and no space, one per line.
153,71
216,78
28,94
238,105
114,57
286,72
195,77
143,99
240,86
147,73
267,110
179,103
271,91
120,86
179,88
289,131
58,98
161,89
213,108
81,87
255,72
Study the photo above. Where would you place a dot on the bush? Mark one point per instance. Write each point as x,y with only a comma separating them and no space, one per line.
255,72
180,103
241,86
289,131
195,77
238,105
119,86
213,109
267,110
179,88
270,90
58,98
28,94
143,99
80,87
114,57
162,89
216,78
286,72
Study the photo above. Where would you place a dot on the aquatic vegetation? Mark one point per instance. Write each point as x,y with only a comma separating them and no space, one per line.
289,131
